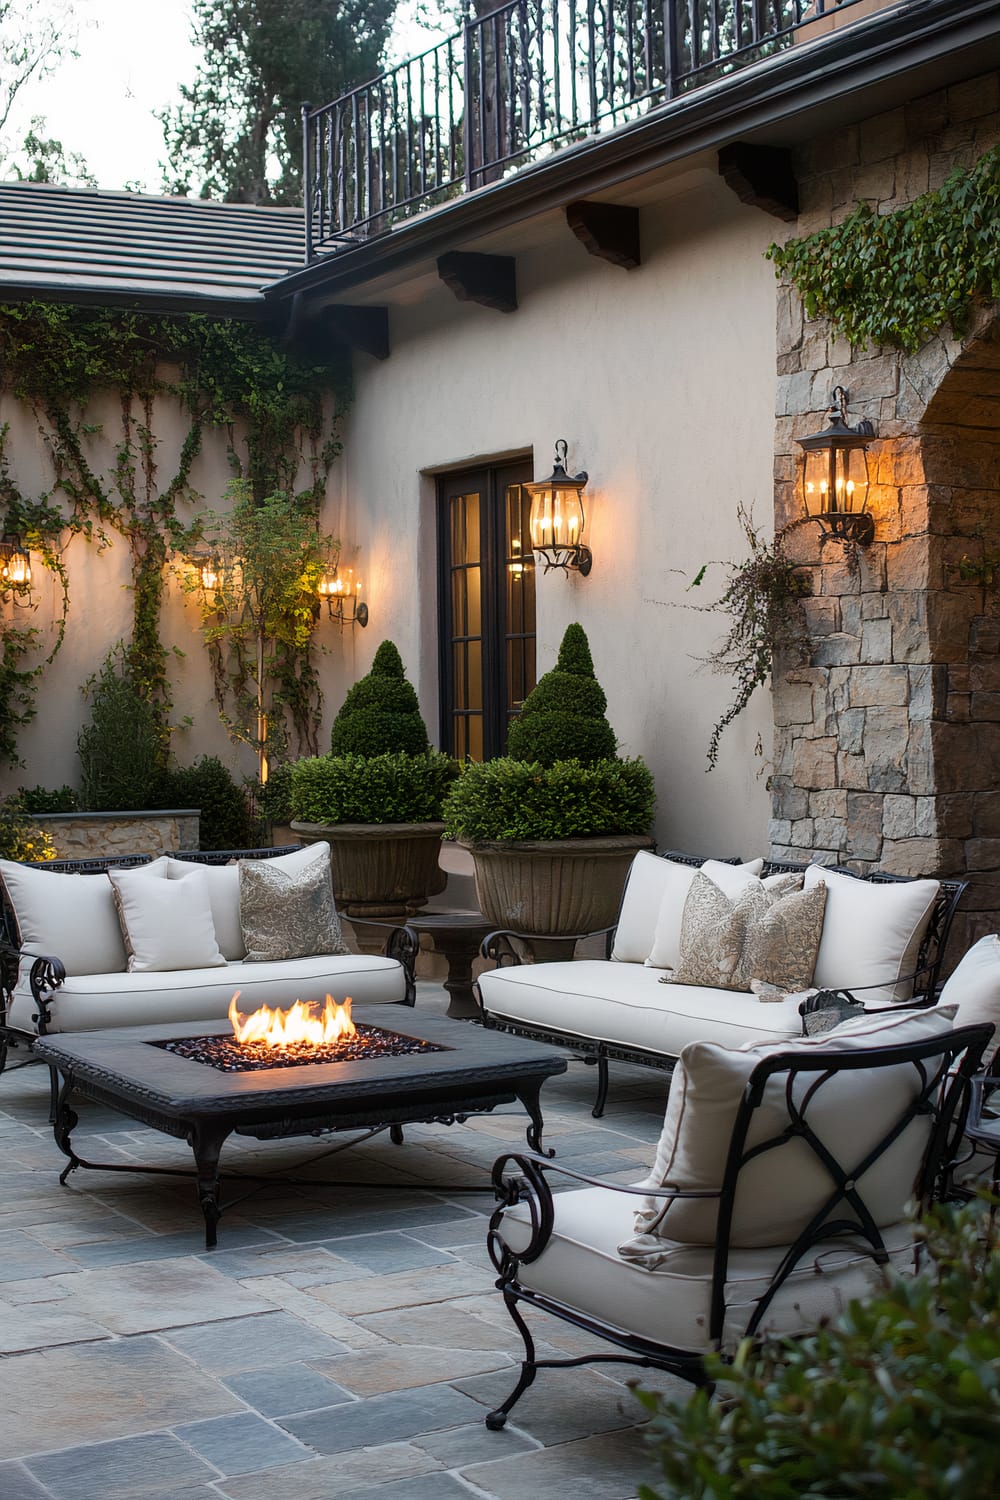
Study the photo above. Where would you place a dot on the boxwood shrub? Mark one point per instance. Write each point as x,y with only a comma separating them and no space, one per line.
897,1399
515,799
390,788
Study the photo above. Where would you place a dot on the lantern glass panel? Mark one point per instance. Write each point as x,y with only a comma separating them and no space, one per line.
556,518
836,479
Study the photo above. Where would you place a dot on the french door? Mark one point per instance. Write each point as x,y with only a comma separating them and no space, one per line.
486,606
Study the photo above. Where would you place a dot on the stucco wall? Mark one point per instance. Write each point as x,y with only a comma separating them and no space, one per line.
662,381
101,602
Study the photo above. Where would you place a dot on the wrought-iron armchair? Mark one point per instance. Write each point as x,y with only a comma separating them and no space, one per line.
784,1176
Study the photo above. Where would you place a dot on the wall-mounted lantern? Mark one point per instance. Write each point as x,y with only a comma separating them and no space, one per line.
209,570
340,589
557,518
15,566
835,475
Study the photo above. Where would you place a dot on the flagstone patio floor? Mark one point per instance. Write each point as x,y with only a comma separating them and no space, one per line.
340,1341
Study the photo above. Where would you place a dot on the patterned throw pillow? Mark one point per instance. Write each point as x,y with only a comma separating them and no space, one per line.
288,914
712,931
783,932
771,935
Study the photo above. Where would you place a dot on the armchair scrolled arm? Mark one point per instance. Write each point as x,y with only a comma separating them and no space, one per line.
520,1177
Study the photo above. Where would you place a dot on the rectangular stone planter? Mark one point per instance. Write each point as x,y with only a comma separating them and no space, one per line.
100,834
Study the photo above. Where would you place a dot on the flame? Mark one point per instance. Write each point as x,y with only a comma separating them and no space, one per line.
295,1027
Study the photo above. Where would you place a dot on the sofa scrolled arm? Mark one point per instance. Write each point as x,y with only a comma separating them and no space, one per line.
45,976
500,945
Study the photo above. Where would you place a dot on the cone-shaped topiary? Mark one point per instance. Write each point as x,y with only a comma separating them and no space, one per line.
380,714
563,716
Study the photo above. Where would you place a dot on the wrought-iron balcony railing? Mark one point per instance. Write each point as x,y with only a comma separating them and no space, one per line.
528,78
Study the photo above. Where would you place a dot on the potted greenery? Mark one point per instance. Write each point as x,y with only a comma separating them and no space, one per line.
553,826
377,797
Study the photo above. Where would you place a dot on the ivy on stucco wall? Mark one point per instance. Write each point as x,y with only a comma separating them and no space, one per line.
278,411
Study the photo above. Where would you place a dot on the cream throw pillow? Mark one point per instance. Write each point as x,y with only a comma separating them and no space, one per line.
288,913
165,924
781,1188
70,917
223,885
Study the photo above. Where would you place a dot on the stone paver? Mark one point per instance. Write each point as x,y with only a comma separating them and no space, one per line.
343,1342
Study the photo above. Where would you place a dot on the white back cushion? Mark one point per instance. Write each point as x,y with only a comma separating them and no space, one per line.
222,886
974,988
166,924
648,877
782,1188
70,917
871,933
663,950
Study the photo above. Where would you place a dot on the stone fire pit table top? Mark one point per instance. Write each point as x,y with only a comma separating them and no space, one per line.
475,1071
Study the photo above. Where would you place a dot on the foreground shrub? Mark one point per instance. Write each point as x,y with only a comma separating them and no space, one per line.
898,1398
514,799
391,788
209,786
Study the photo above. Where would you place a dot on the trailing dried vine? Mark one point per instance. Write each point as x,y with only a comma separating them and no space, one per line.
232,376
761,598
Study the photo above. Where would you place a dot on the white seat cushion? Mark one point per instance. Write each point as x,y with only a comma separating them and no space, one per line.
71,917
783,1187
974,988
166,924
871,933
89,1002
581,1267
627,1004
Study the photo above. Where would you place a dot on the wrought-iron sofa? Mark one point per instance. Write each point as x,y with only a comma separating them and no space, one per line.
883,940
64,965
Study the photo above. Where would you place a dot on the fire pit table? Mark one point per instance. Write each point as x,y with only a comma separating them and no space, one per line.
451,1070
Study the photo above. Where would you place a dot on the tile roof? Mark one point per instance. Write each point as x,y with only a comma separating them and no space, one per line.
131,249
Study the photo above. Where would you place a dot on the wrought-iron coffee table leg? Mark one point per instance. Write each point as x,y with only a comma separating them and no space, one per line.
206,1142
528,1093
64,1123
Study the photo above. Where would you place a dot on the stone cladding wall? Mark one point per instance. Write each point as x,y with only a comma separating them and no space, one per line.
887,744
103,835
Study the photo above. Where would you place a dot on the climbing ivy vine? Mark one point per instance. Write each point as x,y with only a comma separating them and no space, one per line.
896,278
274,406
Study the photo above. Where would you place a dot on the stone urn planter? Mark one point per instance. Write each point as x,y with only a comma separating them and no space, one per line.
380,870
553,887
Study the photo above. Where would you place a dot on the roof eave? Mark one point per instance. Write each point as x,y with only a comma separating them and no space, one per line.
941,41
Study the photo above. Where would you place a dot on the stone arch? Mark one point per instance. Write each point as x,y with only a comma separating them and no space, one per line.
887,745
959,437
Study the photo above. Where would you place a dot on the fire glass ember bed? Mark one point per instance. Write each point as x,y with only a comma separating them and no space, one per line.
441,1071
